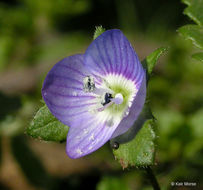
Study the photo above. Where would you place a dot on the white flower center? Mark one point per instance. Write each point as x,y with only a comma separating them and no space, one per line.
114,96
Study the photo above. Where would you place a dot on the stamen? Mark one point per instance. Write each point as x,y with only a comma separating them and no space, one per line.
108,101
101,91
104,107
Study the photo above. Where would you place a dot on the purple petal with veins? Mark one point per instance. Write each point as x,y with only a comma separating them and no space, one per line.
63,92
91,135
111,53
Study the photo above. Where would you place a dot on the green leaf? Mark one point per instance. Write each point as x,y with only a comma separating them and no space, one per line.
46,127
150,61
98,31
198,56
194,10
193,33
139,151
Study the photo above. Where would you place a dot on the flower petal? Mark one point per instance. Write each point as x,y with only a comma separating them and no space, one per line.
135,110
111,53
63,90
91,133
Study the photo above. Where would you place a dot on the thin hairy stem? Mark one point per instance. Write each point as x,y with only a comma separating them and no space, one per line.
152,178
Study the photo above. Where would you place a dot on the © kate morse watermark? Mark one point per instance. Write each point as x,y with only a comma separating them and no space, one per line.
184,183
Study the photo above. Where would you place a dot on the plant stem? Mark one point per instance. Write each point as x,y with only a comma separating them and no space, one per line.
152,178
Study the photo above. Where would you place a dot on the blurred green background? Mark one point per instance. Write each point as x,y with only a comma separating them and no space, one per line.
35,34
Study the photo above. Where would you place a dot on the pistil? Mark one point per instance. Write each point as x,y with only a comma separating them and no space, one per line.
118,99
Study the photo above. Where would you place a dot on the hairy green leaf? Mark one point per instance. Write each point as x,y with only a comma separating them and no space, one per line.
194,10
46,127
193,33
152,59
140,151
198,56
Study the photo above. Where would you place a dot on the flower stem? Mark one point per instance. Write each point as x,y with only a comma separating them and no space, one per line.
152,178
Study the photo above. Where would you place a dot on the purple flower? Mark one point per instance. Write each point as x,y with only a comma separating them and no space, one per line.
98,94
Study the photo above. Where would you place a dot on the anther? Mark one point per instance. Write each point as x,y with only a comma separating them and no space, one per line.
106,99
88,84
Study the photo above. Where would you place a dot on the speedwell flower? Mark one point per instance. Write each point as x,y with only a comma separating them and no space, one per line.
98,94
